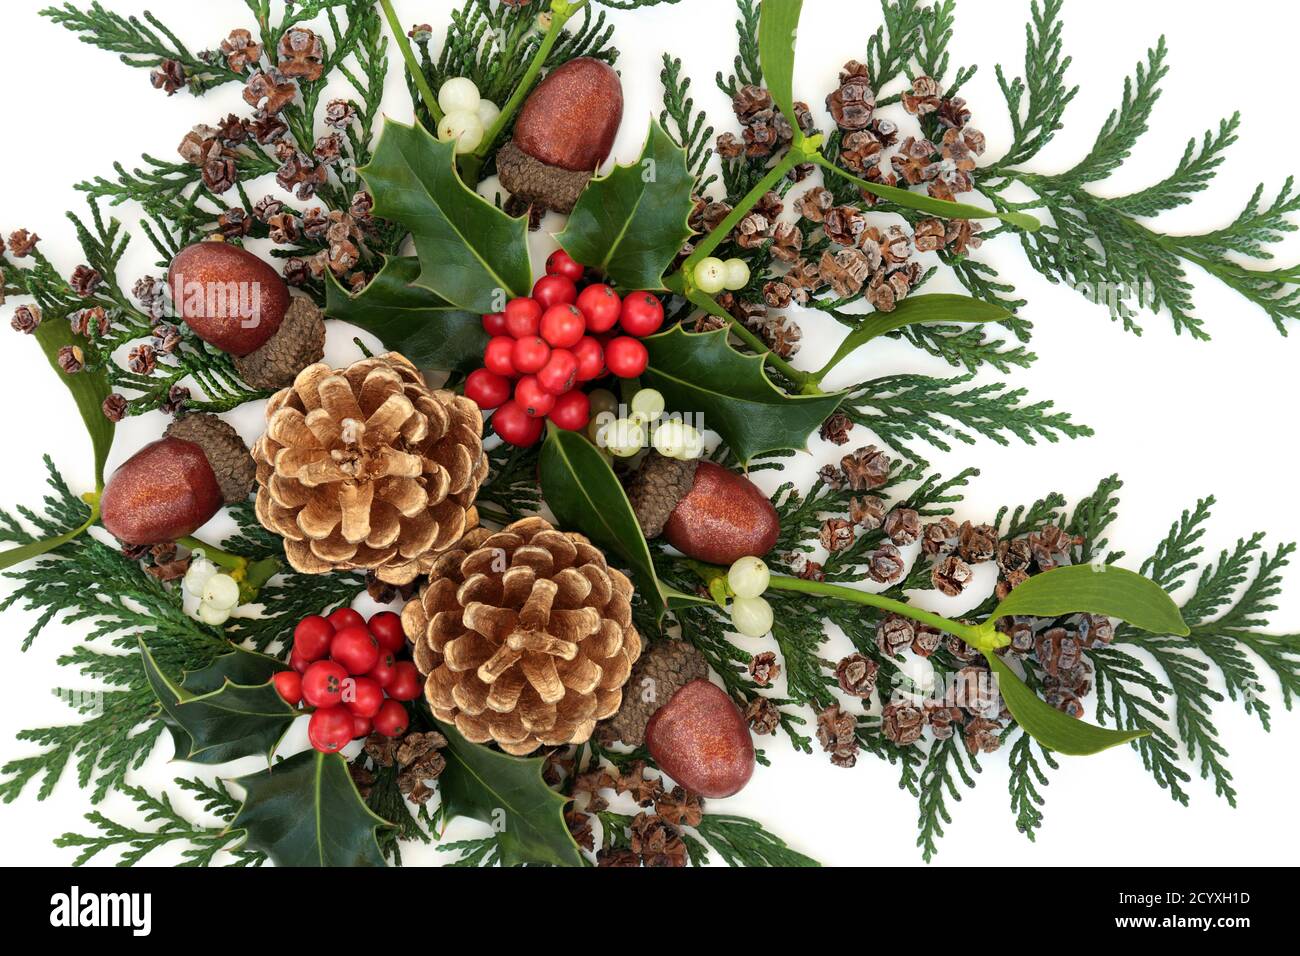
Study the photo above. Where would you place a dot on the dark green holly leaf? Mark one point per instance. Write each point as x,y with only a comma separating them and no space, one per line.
509,794
631,224
778,25
1052,728
1097,589
699,373
471,253
305,811
228,721
240,666
586,496
410,319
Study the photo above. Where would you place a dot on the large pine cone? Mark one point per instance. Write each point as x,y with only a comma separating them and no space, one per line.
368,469
525,636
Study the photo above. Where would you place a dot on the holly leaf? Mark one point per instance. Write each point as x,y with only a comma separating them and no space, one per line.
699,373
631,224
306,811
1097,589
1052,728
585,495
220,720
471,253
509,794
410,319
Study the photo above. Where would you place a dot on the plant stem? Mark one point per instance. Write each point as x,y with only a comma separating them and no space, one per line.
561,12
412,64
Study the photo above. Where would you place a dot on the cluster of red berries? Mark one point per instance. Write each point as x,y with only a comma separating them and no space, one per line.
544,346
347,668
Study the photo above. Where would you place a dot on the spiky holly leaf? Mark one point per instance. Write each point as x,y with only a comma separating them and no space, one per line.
631,224
509,794
211,718
700,374
471,253
306,811
410,319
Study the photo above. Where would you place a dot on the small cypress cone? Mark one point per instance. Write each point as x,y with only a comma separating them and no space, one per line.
664,669
226,452
299,342
656,488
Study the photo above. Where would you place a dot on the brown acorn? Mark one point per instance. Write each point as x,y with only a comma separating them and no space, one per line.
236,302
701,740
171,487
565,131
705,511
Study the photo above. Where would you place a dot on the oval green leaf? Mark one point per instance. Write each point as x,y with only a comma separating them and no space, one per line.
410,319
778,25
470,251
1050,727
631,224
1097,589
699,373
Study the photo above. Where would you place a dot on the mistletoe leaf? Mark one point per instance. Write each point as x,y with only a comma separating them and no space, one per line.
471,253
778,25
509,794
698,372
306,811
632,223
226,722
936,307
410,319
1052,728
1097,589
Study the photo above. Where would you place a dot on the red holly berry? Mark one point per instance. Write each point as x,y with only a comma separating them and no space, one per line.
406,682
486,389
572,411
642,314
555,290
311,638
601,305
322,683
330,729
345,617
516,426
530,355
522,317
536,401
563,325
494,323
363,696
561,263
391,721
298,662
361,727
288,684
559,373
388,631
355,648
591,359
626,357
497,357
385,670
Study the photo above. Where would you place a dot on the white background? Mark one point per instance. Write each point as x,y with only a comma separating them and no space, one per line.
1178,419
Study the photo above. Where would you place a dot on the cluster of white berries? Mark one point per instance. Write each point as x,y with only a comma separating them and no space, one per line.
642,428
751,615
712,275
218,593
466,115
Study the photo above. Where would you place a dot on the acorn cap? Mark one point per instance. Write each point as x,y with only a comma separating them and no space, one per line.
664,668
538,184
297,343
226,452
657,487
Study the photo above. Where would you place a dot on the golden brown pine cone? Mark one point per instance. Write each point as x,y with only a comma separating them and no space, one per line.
368,469
525,636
